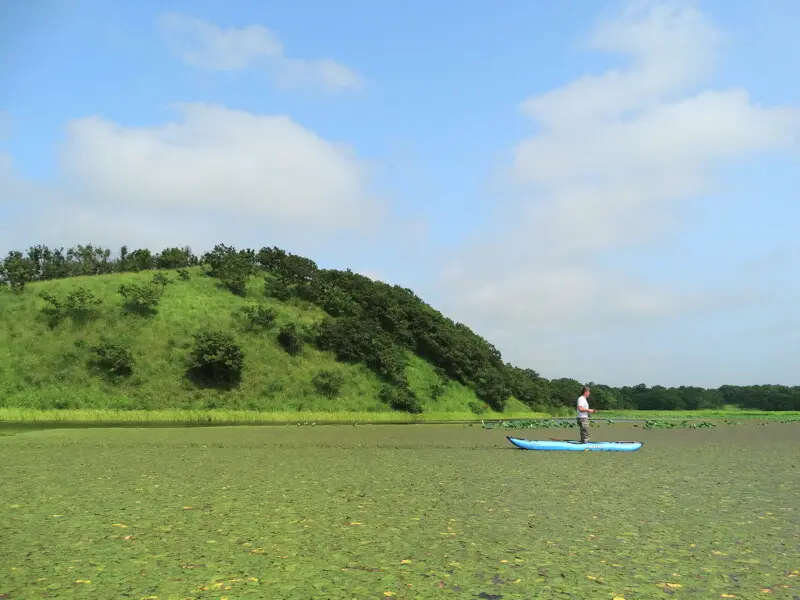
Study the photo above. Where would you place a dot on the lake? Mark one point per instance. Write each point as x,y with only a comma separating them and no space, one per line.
398,511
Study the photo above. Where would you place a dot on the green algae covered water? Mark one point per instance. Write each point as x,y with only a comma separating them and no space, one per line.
406,511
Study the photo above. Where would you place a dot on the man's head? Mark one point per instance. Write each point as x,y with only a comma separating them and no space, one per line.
586,391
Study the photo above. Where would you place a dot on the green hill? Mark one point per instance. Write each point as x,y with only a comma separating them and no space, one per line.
54,335
268,330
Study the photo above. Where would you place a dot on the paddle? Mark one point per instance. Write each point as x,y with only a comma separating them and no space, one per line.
606,442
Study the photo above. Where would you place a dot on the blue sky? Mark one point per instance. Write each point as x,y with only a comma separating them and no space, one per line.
606,191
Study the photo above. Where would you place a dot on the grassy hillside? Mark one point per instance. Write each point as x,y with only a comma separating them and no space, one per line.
268,330
49,367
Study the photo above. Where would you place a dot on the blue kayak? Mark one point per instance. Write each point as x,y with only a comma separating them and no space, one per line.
575,445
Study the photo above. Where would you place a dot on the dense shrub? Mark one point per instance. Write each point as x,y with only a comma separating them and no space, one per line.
17,271
529,387
140,298
112,358
54,311
233,268
45,263
216,358
328,383
491,387
270,258
400,397
333,300
295,269
276,288
398,318
477,407
184,274
160,280
174,258
140,260
79,305
215,261
438,388
236,282
291,339
259,317
355,340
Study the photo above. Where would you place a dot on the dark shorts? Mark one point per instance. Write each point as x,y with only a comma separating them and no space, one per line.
583,424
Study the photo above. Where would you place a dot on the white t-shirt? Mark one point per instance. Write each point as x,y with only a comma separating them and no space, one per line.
582,403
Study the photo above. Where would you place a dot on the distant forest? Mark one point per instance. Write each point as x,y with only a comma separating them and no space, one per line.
374,323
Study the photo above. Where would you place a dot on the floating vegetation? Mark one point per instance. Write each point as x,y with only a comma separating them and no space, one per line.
684,423
571,423
530,424
397,511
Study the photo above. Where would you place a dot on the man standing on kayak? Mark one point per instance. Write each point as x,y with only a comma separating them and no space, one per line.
583,414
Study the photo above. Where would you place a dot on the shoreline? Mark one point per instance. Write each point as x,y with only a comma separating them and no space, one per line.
181,417
223,417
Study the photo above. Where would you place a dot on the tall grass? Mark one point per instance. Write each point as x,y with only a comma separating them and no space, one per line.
222,416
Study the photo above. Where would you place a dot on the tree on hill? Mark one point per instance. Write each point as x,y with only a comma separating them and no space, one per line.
175,258
528,386
17,271
232,268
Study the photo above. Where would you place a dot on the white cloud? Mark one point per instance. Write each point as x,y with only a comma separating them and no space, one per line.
613,157
224,160
208,46
670,49
290,73
212,175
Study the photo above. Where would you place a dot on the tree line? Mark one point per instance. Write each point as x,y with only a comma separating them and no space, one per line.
376,324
